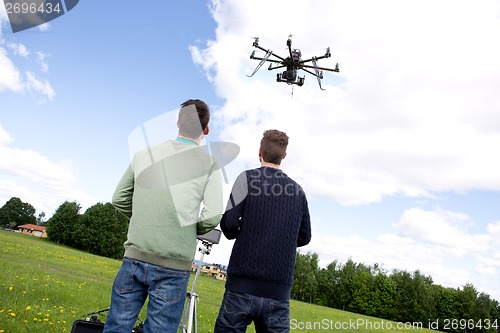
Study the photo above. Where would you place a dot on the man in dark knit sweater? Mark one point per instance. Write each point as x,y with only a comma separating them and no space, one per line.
268,215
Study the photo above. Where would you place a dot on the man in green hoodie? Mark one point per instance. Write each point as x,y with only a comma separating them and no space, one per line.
162,192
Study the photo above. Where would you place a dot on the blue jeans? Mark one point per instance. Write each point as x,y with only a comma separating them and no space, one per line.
135,281
239,310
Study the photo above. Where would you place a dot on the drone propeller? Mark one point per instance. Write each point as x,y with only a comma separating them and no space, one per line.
255,41
327,53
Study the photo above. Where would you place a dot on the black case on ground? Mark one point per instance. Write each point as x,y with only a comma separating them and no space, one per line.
85,326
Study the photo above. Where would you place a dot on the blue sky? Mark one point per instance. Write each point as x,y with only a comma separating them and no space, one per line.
398,156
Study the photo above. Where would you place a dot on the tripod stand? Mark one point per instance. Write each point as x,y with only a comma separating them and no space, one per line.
189,317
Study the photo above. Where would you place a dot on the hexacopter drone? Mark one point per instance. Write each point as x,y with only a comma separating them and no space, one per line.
293,63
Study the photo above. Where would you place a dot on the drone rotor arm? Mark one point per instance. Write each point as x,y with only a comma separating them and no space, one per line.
275,67
313,58
268,60
322,68
272,53
310,72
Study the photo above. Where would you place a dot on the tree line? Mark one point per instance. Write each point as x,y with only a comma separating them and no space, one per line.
398,295
100,230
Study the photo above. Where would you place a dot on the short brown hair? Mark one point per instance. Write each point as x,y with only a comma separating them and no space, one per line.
192,124
273,146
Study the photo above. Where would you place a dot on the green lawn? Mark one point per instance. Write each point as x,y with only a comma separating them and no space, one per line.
44,287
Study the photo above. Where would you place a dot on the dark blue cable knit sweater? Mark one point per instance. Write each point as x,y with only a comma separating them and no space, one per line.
268,215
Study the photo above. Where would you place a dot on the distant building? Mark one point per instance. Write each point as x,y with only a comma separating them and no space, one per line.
215,271
33,230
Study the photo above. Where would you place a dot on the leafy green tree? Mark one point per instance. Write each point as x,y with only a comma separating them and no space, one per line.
61,226
384,296
305,282
15,213
414,297
485,308
405,296
328,279
468,299
102,231
447,303
40,220
362,292
425,305
495,314
346,284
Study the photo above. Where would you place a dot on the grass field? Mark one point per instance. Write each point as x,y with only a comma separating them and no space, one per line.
44,287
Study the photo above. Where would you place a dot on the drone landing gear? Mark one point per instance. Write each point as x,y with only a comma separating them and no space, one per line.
300,81
262,60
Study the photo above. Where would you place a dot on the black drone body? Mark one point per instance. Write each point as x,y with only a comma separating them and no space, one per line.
293,63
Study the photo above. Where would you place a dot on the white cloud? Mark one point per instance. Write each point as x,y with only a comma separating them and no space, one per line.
413,110
40,57
19,49
392,253
5,137
44,26
494,229
3,18
36,179
442,228
12,78
42,87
